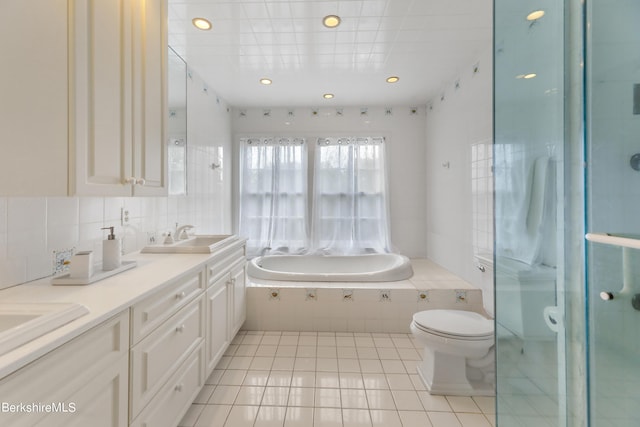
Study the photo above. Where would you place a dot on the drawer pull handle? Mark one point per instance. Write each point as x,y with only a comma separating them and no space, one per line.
179,387
181,295
180,328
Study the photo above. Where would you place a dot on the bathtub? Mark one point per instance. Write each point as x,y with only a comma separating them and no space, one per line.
331,268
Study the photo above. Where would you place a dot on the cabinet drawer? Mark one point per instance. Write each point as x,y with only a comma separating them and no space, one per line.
59,376
150,313
220,266
157,356
175,397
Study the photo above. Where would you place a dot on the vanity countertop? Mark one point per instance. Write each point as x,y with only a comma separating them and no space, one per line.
104,299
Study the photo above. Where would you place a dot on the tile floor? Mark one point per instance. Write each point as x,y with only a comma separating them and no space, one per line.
332,379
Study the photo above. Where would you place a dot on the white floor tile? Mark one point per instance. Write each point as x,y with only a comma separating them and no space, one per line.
463,404
213,416
433,402
250,395
354,398
380,399
298,417
473,420
224,395
327,417
328,398
407,400
241,416
327,380
270,416
414,419
351,380
279,379
275,396
299,396
303,379
233,377
256,378
356,418
444,419
385,418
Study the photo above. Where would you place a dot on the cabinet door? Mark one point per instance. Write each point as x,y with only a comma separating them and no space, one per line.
150,102
238,283
33,98
217,321
101,88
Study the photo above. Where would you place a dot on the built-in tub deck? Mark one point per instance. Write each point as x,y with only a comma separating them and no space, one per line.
356,306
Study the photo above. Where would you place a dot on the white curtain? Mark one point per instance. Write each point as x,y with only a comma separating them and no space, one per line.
350,212
273,195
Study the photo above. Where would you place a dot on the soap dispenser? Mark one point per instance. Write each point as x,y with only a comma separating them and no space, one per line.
111,251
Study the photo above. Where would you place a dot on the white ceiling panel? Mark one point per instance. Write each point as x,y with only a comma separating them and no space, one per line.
424,42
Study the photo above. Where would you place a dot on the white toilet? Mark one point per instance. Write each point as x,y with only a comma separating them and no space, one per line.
458,354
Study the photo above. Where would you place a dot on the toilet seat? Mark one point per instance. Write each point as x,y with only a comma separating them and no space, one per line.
454,324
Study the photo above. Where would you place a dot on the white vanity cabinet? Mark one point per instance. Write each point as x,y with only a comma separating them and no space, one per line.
225,302
118,97
85,381
168,351
83,103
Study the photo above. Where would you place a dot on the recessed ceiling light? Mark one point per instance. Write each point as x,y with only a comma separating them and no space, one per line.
331,21
392,79
265,81
327,96
536,14
201,23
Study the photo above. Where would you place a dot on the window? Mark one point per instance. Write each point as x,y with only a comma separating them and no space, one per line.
273,195
350,213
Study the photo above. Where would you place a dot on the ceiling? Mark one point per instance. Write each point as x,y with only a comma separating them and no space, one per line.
427,43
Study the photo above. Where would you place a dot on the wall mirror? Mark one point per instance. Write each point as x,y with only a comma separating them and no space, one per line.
177,124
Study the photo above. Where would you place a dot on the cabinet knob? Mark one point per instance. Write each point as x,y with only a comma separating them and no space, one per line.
181,295
180,328
141,181
179,387
131,180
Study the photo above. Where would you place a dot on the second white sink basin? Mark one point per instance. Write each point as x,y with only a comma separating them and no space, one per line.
23,322
203,244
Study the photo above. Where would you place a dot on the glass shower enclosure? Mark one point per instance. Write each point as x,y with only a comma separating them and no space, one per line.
567,212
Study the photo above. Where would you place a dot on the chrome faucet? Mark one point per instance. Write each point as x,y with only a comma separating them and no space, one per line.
182,232
264,251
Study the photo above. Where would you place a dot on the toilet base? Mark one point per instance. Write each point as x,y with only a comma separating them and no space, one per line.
450,378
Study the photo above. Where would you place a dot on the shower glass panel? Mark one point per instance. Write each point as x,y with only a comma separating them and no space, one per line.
529,139
613,115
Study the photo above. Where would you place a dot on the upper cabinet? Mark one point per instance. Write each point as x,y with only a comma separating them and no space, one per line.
90,119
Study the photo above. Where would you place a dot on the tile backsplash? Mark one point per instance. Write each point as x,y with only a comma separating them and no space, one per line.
33,228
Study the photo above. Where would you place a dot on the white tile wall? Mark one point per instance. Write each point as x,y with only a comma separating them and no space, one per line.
459,119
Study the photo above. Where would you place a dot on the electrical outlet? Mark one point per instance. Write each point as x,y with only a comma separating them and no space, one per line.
124,216
60,258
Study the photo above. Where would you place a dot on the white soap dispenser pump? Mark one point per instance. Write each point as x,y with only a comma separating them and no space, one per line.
111,251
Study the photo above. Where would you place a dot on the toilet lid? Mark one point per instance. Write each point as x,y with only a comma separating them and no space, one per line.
454,323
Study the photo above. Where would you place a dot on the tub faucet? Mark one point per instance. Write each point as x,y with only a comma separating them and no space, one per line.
264,251
182,232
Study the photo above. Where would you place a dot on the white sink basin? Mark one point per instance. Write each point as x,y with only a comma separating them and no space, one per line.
194,245
23,322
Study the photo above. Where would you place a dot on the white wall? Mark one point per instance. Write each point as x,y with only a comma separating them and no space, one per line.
457,120
404,130
32,228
